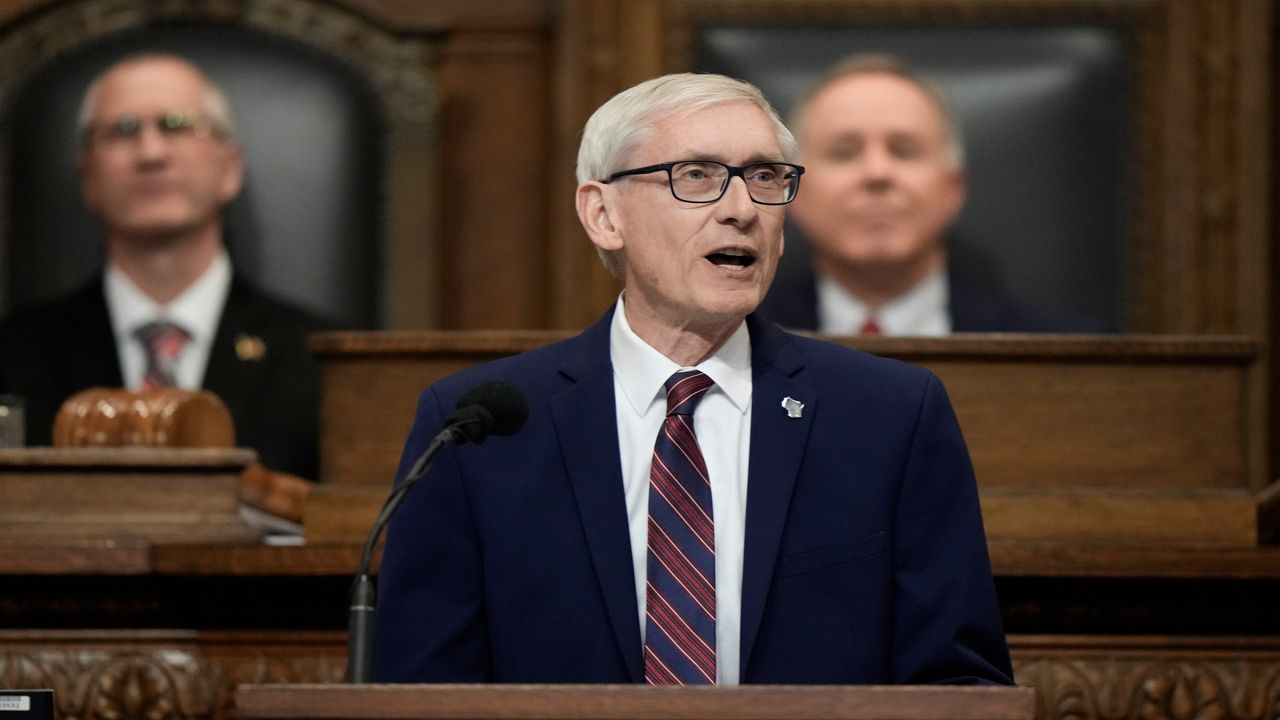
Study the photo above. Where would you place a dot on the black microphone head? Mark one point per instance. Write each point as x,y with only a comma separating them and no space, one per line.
496,407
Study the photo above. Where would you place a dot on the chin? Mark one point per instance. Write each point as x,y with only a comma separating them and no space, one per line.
733,308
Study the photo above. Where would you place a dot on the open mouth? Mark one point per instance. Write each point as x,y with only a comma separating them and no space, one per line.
732,257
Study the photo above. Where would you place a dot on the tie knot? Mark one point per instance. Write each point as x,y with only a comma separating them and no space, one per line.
684,390
163,339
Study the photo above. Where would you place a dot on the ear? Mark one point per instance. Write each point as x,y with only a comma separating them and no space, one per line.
958,190
233,175
84,171
599,214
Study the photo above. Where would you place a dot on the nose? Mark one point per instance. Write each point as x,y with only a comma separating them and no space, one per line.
736,206
152,146
877,165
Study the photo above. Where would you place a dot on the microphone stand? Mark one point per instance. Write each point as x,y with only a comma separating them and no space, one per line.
360,618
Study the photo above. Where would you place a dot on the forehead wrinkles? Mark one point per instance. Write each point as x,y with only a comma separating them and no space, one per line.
736,132
878,104
149,88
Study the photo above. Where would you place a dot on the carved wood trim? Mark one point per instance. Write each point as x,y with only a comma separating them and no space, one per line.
480,344
155,675
138,675
1150,678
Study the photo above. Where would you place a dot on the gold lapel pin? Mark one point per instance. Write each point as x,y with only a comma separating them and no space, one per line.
250,347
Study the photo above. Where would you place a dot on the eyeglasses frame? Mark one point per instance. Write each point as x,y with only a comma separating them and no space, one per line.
738,171
167,125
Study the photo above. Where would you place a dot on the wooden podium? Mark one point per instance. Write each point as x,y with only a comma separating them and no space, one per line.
633,702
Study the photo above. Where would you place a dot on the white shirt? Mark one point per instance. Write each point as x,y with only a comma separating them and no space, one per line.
921,311
722,422
197,310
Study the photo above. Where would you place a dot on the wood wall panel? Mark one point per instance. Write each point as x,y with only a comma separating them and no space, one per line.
495,133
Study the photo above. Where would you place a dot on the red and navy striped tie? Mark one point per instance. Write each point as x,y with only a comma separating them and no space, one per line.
680,607
163,342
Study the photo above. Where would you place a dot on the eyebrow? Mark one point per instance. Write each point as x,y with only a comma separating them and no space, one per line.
752,160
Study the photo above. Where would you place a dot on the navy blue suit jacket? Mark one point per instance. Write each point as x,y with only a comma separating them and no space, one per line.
865,560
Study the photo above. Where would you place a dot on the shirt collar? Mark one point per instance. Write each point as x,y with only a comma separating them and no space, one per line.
922,310
642,371
197,309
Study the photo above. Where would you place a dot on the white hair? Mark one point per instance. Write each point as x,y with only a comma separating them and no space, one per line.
215,101
630,118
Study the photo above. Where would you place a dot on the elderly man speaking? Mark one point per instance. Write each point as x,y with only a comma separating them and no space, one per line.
697,497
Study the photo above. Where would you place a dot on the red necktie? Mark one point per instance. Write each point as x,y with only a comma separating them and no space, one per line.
163,342
680,604
870,327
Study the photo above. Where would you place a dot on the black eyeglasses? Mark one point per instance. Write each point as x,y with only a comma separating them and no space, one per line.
705,181
173,124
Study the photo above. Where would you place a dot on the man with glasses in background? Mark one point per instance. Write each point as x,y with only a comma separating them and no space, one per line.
697,496
158,163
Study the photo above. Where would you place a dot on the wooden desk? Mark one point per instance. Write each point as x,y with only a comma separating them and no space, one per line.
1110,440
633,702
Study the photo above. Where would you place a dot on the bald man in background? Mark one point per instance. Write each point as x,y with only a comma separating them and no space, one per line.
884,183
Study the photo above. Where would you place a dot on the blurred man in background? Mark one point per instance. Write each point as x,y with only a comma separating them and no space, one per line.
158,163
884,182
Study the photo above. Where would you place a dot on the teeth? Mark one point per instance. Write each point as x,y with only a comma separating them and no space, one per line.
735,252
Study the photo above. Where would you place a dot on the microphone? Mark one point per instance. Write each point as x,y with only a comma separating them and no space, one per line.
495,407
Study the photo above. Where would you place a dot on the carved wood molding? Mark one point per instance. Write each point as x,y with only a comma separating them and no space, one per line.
139,676
1187,685
399,68
158,675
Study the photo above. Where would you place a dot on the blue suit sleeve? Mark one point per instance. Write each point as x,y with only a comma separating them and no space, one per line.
430,624
946,620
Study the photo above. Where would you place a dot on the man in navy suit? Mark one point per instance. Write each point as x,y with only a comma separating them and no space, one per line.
842,512
158,163
885,181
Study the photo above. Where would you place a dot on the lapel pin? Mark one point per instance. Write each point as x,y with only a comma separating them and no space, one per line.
250,347
793,407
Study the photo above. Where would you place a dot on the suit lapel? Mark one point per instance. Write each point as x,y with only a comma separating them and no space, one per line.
586,424
777,448
234,380
87,343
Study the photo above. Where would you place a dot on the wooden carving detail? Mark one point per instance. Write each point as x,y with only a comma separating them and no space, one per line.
399,68
160,683
156,680
1154,689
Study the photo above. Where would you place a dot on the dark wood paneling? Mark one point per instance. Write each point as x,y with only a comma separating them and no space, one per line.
495,139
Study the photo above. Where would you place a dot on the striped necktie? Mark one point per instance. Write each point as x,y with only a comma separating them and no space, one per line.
680,606
163,342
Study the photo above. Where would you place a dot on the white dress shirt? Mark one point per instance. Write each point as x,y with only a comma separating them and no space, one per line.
722,422
197,310
921,311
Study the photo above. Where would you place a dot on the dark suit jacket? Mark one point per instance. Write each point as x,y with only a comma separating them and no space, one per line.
56,349
865,560
792,302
